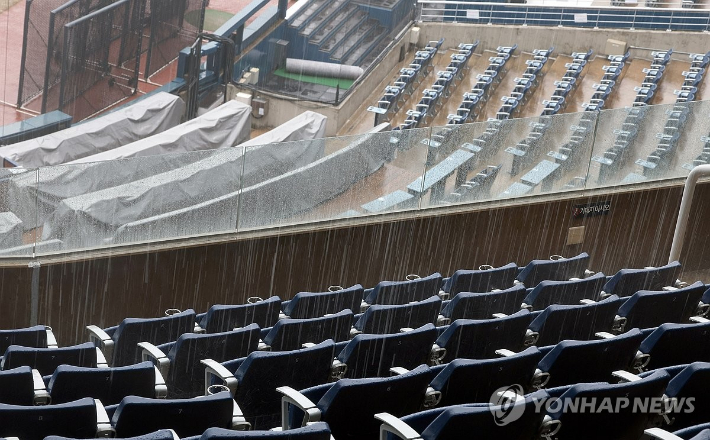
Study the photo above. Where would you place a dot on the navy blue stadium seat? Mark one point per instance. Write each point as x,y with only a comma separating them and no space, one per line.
479,339
547,293
557,323
482,280
626,282
374,355
697,432
313,431
22,386
109,385
467,305
403,292
555,270
84,418
223,318
253,380
313,305
646,309
381,319
179,362
163,434
291,334
349,405
571,362
120,343
623,424
693,382
457,384
139,415
46,360
676,344
37,336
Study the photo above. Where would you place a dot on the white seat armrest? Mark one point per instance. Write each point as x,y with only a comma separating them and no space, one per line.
51,340
660,434
214,368
625,376
586,302
293,397
499,315
103,423
239,423
699,319
604,335
161,390
392,425
155,355
100,359
398,371
505,352
102,340
41,396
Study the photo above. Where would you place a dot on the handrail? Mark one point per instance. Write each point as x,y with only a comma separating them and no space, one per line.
684,211
563,6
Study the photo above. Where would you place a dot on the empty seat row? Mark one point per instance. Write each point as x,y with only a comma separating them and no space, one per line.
653,76
525,84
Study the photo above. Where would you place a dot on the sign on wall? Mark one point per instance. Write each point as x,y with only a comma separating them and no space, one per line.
591,209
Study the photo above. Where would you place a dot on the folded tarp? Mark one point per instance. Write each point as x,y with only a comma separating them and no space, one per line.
145,118
35,196
223,172
10,230
225,126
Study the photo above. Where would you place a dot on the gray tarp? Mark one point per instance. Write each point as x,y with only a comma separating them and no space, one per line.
223,172
34,197
145,118
225,126
10,230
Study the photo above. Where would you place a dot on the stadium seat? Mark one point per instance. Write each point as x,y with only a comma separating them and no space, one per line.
312,431
163,434
382,319
564,292
684,434
557,323
485,279
677,344
46,360
84,418
120,343
291,334
608,424
187,417
626,282
693,382
403,292
179,362
466,305
313,305
571,362
561,269
374,355
253,380
456,386
480,339
38,336
23,386
223,318
646,309
349,405
109,385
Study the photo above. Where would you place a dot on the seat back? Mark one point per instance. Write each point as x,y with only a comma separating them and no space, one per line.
313,431
186,377
467,305
626,282
691,383
621,424
291,334
481,280
404,292
163,434
381,319
571,362
75,419
312,305
350,405
138,415
154,330
17,386
565,292
46,360
555,270
697,432
223,318
262,372
373,355
557,323
27,337
676,344
456,387
645,309
479,339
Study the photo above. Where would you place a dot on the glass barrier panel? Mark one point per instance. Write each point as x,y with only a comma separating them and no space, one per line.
18,230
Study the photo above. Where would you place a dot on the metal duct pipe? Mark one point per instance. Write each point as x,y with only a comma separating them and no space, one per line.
325,70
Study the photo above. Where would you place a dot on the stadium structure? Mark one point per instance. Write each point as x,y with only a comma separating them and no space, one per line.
354,219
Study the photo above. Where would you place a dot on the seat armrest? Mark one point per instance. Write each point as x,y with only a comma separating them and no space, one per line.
51,340
531,338
199,330
155,355
392,425
41,396
625,376
699,319
102,340
100,359
239,423
364,306
338,370
586,301
604,335
619,324
504,352
660,434
161,390
398,371
293,397
436,356
103,423
214,368
442,320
